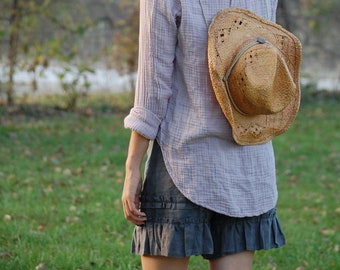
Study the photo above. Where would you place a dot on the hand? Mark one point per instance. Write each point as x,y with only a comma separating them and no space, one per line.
130,198
133,179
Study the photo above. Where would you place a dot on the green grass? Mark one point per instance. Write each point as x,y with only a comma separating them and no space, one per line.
308,170
61,178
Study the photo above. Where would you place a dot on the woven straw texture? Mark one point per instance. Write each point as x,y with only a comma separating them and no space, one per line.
230,31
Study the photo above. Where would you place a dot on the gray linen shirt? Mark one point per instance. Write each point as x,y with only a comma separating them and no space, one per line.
175,104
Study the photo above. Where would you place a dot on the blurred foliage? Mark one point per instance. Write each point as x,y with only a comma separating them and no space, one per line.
37,31
74,83
35,34
125,43
317,24
318,13
311,96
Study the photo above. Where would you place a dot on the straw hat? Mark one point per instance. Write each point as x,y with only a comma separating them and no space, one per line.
254,66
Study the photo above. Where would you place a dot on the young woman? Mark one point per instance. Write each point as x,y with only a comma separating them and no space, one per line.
203,194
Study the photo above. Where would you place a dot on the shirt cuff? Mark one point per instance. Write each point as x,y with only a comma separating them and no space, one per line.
143,121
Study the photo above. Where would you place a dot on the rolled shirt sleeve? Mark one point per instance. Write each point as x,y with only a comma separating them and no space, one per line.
157,44
175,103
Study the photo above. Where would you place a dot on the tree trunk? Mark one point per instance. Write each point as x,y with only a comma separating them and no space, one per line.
285,14
12,55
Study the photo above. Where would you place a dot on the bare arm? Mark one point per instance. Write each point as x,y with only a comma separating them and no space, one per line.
133,178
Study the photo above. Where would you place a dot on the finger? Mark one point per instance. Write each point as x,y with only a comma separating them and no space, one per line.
137,220
133,214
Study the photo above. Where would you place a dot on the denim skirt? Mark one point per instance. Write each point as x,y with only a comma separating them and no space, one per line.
176,227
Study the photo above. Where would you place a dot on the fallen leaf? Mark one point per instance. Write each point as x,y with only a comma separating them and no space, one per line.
5,255
118,203
28,152
119,173
327,231
79,171
41,266
293,180
41,228
67,172
49,189
72,219
7,217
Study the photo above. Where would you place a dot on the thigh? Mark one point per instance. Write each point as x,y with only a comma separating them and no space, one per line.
164,263
238,261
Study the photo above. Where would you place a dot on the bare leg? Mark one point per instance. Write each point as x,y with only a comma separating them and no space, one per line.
164,263
238,261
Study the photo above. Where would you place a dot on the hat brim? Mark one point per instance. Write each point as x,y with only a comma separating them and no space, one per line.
224,41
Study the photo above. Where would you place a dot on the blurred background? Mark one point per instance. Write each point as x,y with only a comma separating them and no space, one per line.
67,74
79,47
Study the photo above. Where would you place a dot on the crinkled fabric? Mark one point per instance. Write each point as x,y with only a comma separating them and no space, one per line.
176,227
175,104
185,233
234,235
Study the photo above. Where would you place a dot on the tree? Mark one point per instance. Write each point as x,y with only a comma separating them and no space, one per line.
125,46
321,19
24,21
316,24
14,25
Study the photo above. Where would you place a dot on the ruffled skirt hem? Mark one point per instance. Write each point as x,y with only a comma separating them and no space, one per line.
226,235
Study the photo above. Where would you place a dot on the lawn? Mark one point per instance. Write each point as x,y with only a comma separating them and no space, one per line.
61,177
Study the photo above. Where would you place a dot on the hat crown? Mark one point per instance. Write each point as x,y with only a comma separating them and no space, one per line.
260,82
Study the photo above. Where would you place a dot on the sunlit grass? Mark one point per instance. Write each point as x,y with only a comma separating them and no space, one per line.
102,102
308,171
61,179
